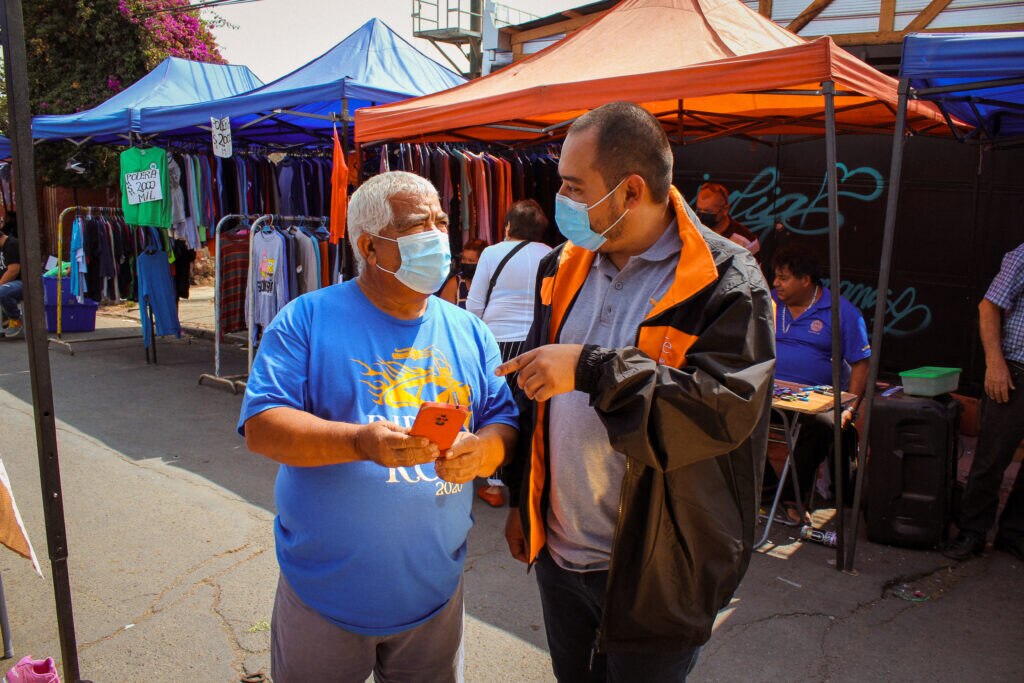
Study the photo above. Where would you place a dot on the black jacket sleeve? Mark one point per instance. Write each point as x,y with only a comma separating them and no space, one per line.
668,417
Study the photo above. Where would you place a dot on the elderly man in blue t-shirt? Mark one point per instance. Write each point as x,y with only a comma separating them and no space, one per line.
803,347
372,522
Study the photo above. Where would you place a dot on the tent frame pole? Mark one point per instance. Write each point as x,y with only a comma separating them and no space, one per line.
16,75
828,88
881,303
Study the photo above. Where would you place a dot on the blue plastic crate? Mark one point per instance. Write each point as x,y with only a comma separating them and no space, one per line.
76,317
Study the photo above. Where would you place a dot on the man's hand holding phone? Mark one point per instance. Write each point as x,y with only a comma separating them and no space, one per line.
463,461
389,445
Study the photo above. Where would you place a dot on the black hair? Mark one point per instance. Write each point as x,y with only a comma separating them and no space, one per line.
526,221
474,245
629,140
799,260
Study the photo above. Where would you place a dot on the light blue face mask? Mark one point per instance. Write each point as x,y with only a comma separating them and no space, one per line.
426,260
573,220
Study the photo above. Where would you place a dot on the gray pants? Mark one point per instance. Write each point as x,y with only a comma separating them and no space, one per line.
306,647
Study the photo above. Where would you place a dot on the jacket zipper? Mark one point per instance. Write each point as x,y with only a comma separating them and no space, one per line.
611,561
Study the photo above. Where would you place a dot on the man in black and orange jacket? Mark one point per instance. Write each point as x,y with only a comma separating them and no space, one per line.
645,402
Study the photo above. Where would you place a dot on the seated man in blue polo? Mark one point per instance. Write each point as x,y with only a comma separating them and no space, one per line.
803,347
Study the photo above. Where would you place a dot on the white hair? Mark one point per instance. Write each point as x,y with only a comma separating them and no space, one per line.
369,209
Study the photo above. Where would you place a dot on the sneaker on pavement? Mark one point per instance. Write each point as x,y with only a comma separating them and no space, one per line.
15,329
1014,546
491,495
30,670
964,546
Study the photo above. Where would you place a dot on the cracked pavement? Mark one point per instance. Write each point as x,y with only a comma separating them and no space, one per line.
173,570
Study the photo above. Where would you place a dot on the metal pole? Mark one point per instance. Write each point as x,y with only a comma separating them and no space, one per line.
881,303
60,255
829,90
250,293
15,62
216,377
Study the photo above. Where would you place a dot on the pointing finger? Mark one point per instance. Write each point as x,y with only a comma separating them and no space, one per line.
514,364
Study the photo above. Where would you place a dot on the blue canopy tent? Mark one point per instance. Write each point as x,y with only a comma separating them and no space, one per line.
977,78
173,81
977,81
373,65
5,147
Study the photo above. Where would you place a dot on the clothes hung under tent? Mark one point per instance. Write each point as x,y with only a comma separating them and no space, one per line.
477,184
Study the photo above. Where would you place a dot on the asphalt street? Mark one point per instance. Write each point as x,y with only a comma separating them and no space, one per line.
173,569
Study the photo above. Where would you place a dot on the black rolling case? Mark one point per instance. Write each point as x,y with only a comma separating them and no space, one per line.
911,471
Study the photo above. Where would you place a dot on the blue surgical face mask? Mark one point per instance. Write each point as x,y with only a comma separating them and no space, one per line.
573,220
426,260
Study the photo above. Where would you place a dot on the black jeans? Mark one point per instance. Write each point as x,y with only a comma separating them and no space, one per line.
1002,428
816,444
573,603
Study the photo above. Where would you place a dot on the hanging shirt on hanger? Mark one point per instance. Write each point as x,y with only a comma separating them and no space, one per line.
145,198
268,278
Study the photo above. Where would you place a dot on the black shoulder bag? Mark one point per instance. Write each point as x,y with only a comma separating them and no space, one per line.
497,272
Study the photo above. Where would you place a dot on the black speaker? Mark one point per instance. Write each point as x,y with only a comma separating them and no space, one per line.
911,469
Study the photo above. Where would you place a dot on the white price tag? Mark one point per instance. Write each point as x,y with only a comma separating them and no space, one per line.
144,186
221,130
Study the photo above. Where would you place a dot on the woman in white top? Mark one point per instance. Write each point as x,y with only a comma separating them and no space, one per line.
507,307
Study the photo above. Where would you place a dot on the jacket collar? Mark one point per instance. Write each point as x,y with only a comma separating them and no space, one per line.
694,271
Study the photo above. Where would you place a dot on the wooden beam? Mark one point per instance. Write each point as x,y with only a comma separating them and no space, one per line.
808,15
555,29
764,8
887,16
896,37
926,16
571,14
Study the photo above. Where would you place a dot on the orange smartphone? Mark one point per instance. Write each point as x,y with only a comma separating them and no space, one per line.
439,422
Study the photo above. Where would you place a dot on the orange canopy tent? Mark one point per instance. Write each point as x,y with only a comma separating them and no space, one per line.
706,68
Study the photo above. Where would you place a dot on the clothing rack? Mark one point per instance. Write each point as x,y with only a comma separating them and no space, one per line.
59,340
250,299
233,382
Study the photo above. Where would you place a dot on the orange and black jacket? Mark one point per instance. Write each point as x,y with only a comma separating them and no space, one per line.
688,404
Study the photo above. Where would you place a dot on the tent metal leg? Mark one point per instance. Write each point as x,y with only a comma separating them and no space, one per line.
878,327
5,627
12,33
829,89
148,320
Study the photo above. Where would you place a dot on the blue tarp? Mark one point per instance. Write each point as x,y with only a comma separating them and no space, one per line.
175,81
373,65
943,59
5,147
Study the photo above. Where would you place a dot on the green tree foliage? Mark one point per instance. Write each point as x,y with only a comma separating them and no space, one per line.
81,52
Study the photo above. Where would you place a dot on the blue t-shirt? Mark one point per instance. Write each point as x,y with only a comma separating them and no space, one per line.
375,550
803,347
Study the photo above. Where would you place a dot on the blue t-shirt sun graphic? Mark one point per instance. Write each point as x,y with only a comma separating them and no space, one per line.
376,550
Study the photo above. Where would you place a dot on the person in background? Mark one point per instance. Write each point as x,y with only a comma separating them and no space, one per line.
9,223
11,290
713,211
646,390
1001,324
456,287
502,294
771,241
803,346
371,522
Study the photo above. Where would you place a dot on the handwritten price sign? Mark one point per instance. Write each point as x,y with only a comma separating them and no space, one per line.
221,130
144,186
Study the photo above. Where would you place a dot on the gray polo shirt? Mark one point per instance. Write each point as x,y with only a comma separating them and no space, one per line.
586,472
